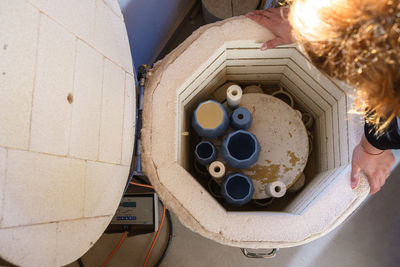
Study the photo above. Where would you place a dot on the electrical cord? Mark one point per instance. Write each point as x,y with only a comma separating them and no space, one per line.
170,232
115,249
132,176
142,180
155,238
167,214
142,185
80,262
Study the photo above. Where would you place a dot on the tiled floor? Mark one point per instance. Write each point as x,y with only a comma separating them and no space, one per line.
371,237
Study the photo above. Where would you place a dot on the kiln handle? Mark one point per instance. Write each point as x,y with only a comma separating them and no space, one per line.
254,255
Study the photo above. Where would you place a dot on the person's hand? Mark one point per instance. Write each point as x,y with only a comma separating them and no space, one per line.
373,162
276,20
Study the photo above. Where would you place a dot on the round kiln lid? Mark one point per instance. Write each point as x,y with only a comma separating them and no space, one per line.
67,110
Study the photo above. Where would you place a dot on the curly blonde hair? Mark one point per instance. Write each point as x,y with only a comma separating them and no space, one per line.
358,42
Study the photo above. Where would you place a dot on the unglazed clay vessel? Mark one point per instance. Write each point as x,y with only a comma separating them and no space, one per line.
284,96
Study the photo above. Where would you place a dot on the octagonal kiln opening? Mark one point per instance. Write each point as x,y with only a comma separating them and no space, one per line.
243,63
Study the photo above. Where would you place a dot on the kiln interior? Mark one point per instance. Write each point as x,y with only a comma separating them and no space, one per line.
243,63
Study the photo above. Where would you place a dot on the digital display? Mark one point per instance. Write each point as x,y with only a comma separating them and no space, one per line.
129,204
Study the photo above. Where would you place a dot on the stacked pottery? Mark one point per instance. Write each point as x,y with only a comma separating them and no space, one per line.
240,148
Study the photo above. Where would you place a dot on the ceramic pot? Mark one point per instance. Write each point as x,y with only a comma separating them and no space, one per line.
205,152
241,119
237,189
210,119
240,149
284,96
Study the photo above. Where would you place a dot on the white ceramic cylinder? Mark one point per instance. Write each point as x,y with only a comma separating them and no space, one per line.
217,170
275,189
233,96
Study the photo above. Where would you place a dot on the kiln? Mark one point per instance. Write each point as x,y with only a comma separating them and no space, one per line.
229,51
67,79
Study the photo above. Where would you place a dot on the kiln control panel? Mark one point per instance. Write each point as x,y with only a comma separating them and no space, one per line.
135,210
137,213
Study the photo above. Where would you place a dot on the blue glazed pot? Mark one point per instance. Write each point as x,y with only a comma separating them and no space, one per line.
241,119
237,189
240,149
205,152
210,119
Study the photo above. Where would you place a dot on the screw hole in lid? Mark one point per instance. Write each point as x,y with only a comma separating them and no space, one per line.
240,116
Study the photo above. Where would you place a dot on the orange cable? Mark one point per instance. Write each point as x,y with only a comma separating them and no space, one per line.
155,238
115,249
142,185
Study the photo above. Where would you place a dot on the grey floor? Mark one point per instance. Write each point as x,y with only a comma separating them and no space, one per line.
371,237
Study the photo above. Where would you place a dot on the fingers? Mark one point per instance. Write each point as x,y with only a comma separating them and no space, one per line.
265,12
374,184
377,168
377,180
257,12
355,176
391,158
262,20
382,181
384,176
272,43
